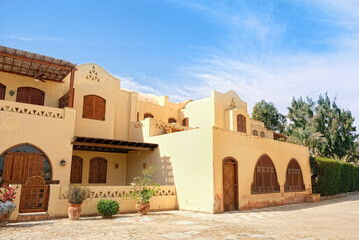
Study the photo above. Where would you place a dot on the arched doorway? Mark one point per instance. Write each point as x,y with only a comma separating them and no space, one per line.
21,163
230,184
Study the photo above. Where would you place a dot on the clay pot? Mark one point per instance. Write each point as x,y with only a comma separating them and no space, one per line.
74,211
143,208
4,219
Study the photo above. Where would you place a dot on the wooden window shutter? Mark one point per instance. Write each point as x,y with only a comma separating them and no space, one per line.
265,177
241,123
294,178
30,95
2,91
185,122
98,170
6,175
94,107
76,170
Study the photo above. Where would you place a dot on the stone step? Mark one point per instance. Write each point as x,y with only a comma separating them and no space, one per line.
25,217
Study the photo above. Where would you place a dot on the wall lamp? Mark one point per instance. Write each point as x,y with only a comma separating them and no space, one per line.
63,162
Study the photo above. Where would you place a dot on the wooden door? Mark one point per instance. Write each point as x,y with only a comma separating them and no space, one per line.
230,193
30,95
34,195
19,166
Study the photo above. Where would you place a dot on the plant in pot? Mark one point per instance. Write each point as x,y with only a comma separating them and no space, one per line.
76,195
7,206
107,207
142,189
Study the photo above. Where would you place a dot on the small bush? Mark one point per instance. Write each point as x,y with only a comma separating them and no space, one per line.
330,177
107,207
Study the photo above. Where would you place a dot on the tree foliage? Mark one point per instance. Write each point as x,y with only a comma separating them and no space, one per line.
268,113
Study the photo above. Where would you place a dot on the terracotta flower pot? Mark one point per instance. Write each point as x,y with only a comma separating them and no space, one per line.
74,211
143,208
4,219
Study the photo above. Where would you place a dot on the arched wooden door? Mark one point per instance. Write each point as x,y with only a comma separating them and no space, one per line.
230,184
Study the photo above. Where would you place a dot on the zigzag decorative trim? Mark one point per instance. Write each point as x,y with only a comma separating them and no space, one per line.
53,113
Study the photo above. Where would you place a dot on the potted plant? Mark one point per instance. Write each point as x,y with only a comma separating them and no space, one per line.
7,206
107,207
142,189
76,195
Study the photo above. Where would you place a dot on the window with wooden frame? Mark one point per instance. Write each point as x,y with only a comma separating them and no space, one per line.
262,134
147,115
98,170
76,170
294,177
172,120
94,107
2,91
30,95
241,123
185,122
265,176
255,132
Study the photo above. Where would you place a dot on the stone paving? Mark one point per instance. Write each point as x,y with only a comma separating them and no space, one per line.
329,219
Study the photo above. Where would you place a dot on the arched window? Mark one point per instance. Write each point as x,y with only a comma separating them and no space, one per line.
255,132
262,134
172,120
147,115
2,91
265,176
23,161
94,107
76,170
294,177
241,123
98,170
185,122
30,95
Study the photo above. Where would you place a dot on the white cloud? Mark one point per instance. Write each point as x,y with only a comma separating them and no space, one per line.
34,38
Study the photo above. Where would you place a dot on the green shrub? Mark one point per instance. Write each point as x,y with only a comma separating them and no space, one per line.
107,207
330,177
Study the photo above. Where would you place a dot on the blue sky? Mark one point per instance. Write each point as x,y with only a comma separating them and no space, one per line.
270,50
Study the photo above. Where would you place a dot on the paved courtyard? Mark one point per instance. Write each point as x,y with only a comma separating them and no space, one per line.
329,219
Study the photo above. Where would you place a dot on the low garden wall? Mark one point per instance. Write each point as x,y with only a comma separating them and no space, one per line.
330,177
165,199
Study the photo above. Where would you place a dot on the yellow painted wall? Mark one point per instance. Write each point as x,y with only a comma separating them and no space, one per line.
114,176
247,150
191,155
199,113
259,126
53,90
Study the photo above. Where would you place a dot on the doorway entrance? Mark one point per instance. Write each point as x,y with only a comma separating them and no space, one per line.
28,166
230,184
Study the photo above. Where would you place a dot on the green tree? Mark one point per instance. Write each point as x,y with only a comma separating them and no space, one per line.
337,127
307,137
268,113
300,113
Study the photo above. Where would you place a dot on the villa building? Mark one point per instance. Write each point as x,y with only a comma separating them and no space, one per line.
63,124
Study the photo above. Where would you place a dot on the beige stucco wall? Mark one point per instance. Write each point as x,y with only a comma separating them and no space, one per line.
247,150
52,135
259,126
53,90
114,176
191,155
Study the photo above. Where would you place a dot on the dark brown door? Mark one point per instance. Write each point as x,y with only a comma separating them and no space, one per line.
30,95
230,193
19,166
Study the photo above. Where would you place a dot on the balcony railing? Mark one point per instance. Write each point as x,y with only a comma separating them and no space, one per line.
31,109
64,101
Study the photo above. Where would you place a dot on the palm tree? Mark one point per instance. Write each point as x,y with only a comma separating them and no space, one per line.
307,137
